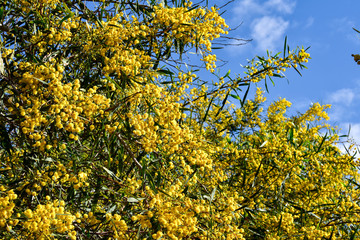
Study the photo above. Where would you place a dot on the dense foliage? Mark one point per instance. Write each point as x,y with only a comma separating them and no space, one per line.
107,133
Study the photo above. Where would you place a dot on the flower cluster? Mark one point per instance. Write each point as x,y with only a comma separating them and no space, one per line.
7,206
67,106
259,70
48,219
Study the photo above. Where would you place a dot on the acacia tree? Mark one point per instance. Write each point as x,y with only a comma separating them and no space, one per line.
107,133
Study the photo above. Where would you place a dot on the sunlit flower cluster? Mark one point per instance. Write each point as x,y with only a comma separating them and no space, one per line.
48,219
67,106
262,68
27,6
7,206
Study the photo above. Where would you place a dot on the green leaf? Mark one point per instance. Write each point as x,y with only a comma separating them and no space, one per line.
40,80
165,72
332,233
207,111
243,84
273,83
245,96
1,12
278,75
296,70
235,96
194,7
214,48
213,194
278,230
134,200
291,135
113,25
223,104
322,142
111,173
263,144
227,74
285,46
190,177
2,66
112,209
167,82
5,139
256,174
266,86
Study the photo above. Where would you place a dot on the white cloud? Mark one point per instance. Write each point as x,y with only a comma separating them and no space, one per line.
309,22
301,105
337,113
343,24
250,7
342,102
282,6
268,31
247,7
342,96
267,25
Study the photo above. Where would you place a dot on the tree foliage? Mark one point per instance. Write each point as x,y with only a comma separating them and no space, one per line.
108,133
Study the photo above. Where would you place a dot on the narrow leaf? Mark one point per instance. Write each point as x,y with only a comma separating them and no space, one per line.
2,67
296,70
134,200
356,30
245,96
235,96
322,142
111,173
213,194
207,111
1,12
285,46
223,104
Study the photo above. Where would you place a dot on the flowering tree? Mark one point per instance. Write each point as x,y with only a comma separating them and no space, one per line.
107,133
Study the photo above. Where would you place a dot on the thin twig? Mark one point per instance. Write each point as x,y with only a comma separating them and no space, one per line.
128,150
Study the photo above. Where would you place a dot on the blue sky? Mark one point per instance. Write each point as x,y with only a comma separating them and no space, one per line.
332,76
